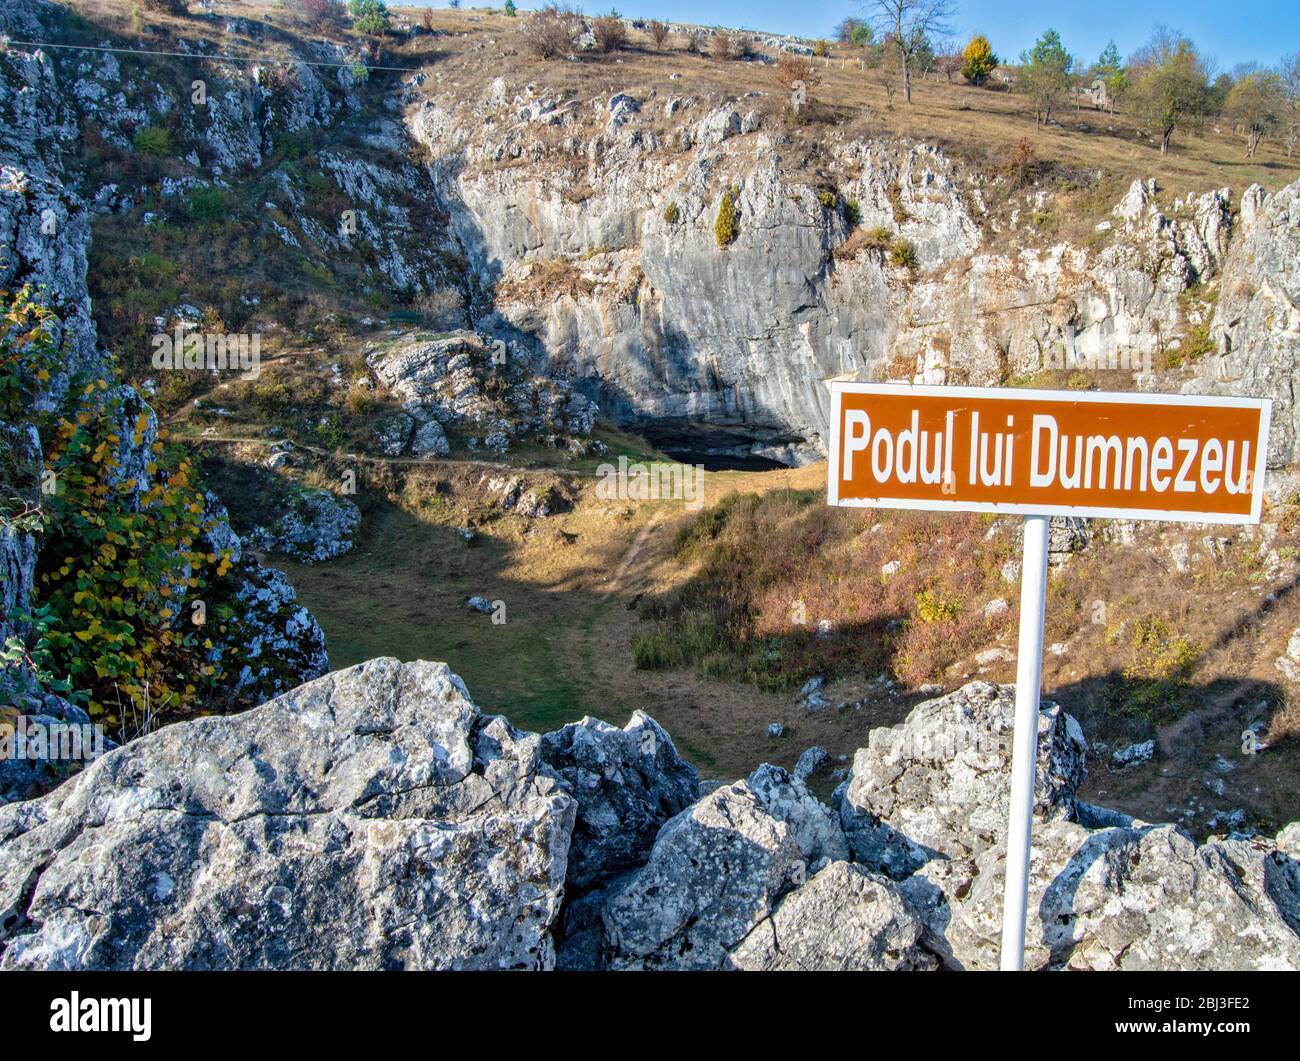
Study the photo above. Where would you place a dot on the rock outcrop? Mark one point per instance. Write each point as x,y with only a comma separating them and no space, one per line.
371,819
927,803
627,212
937,784
374,818
45,231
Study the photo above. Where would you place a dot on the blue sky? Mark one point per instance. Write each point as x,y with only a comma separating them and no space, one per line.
1263,30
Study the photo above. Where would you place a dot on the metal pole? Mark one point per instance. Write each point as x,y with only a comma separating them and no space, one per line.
1024,758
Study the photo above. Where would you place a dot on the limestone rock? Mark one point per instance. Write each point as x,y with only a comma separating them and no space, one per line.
1121,898
627,783
938,783
843,918
714,872
316,525
371,819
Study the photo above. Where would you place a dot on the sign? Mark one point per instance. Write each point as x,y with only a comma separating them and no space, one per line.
1031,452
1041,454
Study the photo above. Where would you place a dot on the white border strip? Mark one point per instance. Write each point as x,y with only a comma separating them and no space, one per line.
841,387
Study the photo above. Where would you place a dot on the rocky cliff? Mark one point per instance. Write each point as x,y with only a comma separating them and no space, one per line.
374,818
668,324
579,230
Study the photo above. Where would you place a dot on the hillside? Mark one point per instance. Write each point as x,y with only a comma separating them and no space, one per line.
326,354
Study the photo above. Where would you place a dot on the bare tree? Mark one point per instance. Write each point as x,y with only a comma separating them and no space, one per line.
909,26
1290,69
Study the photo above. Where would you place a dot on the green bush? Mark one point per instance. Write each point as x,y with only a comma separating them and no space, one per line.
671,213
208,205
153,140
827,199
727,226
119,556
852,213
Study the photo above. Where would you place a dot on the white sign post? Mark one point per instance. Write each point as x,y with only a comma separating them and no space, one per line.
1024,743
1038,454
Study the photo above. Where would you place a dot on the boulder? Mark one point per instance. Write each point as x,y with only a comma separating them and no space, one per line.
937,784
371,819
627,783
714,872
843,918
1143,897
927,804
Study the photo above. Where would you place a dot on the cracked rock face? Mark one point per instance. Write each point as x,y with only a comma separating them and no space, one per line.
1257,326
370,819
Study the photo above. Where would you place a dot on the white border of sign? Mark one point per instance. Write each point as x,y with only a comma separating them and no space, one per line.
841,387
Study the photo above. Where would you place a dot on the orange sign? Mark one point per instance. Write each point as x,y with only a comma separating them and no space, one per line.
975,449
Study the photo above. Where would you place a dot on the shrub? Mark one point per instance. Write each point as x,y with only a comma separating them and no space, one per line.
821,49
902,253
931,607
510,9
878,238
166,7
153,140
1021,164
671,213
549,33
722,47
727,226
610,33
120,556
208,205
658,33
852,213
322,15
797,76
827,199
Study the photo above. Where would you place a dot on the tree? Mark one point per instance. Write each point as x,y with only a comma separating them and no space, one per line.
908,26
854,31
1290,73
369,16
510,9
1217,98
1046,74
978,60
1109,70
658,33
1170,85
1257,103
